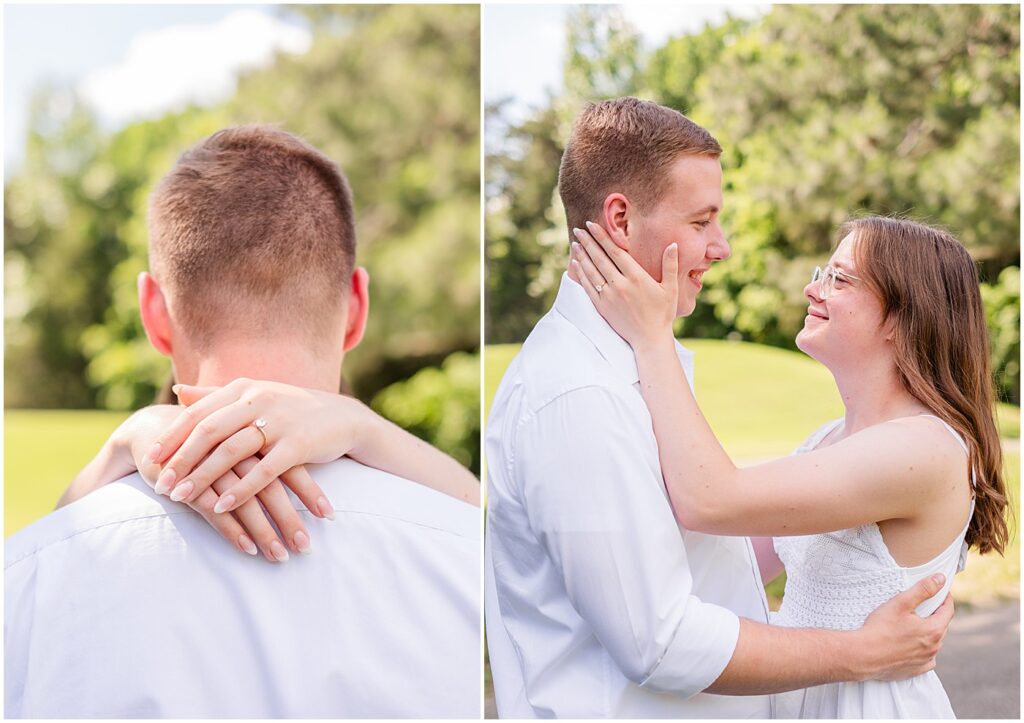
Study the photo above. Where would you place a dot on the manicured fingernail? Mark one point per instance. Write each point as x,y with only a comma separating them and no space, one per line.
324,508
301,540
674,248
224,504
277,550
176,388
164,481
182,491
153,454
576,232
591,224
247,545
939,579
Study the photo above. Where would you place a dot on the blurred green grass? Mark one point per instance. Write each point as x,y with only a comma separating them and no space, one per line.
763,402
43,451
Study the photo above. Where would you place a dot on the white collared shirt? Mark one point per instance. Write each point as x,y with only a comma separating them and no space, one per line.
598,604
125,604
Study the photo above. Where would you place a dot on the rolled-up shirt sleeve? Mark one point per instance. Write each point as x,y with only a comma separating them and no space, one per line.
595,498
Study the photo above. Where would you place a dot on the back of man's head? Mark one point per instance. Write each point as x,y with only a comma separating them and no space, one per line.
625,145
252,233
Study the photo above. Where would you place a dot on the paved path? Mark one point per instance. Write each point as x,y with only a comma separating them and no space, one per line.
979,663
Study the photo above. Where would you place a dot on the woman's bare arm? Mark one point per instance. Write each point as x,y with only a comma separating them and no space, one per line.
880,473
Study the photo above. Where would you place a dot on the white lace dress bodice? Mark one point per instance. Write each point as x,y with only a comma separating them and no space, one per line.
834,581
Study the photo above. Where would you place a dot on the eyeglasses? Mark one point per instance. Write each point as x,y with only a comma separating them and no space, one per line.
826,279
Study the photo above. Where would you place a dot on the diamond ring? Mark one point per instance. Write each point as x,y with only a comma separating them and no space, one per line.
260,424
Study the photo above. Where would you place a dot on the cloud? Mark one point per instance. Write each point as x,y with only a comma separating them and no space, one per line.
171,67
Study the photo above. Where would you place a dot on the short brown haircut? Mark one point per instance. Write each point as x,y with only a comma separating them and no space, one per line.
252,231
625,145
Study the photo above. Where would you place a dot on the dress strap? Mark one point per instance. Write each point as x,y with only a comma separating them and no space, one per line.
962,562
948,426
823,431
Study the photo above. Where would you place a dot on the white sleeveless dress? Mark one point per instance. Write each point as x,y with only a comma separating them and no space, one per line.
834,581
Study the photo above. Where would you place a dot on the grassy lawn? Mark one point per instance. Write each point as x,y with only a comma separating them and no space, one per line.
43,452
760,401
763,402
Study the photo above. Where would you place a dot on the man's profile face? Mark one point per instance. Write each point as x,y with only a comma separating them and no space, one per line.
687,215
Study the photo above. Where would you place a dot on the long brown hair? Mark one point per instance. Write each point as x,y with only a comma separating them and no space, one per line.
928,286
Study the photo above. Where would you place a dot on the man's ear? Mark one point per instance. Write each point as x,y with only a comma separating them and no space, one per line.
155,318
358,307
616,215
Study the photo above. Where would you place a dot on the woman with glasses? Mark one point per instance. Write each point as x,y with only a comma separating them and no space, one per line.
893,492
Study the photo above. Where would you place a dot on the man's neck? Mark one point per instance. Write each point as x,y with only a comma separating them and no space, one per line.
287,362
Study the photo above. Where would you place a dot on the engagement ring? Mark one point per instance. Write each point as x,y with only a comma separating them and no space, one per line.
260,424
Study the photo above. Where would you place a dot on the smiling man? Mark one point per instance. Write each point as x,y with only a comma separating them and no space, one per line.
651,178
598,603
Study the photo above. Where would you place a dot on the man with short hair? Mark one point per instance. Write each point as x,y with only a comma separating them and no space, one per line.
126,604
598,603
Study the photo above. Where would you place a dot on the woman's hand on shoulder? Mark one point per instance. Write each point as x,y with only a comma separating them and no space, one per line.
248,528
285,425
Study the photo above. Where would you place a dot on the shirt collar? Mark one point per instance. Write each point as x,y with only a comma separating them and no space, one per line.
573,303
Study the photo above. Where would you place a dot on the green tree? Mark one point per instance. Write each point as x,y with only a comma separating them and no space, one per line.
837,110
1002,311
521,176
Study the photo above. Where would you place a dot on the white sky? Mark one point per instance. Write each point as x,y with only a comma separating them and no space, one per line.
135,61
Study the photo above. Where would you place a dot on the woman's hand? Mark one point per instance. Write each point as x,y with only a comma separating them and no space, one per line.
126,452
637,307
218,430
